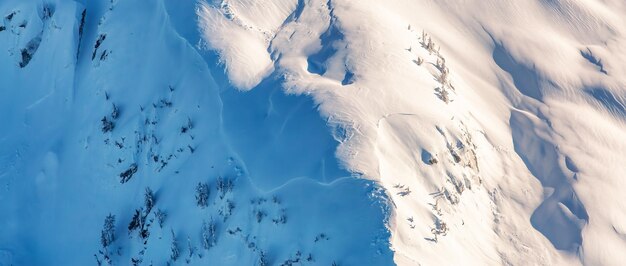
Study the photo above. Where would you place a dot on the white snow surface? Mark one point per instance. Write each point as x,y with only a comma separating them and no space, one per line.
536,116
410,132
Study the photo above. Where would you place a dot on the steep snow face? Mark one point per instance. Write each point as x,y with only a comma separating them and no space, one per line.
495,127
251,25
109,110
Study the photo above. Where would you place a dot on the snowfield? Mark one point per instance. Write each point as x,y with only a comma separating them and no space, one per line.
310,132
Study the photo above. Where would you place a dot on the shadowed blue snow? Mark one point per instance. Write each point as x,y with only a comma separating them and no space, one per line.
60,174
561,216
279,136
592,59
524,78
317,63
608,100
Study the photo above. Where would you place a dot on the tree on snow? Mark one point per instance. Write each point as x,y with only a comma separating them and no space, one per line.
202,195
148,199
209,234
107,235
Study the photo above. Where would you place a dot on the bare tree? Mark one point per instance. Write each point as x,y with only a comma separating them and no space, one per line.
174,248
430,45
262,259
224,185
107,235
160,216
209,234
148,199
135,222
202,195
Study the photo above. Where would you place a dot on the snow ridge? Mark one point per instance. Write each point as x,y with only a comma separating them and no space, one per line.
470,145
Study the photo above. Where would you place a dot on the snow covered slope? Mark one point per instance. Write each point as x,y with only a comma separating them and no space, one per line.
116,114
497,128
327,132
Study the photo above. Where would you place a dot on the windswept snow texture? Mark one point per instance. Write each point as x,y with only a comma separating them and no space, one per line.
496,127
312,132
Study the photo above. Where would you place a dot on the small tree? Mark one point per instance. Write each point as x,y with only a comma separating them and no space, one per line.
430,45
202,194
160,216
174,248
115,113
444,95
259,216
187,126
224,185
135,222
443,77
107,235
107,125
209,234
441,64
191,249
139,222
227,209
262,259
128,174
148,199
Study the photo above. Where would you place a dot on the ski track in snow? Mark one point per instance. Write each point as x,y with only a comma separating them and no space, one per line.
406,132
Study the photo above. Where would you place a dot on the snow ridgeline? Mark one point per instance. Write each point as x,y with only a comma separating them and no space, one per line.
525,129
120,144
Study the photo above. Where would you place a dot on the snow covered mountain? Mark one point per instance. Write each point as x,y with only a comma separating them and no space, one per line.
312,132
